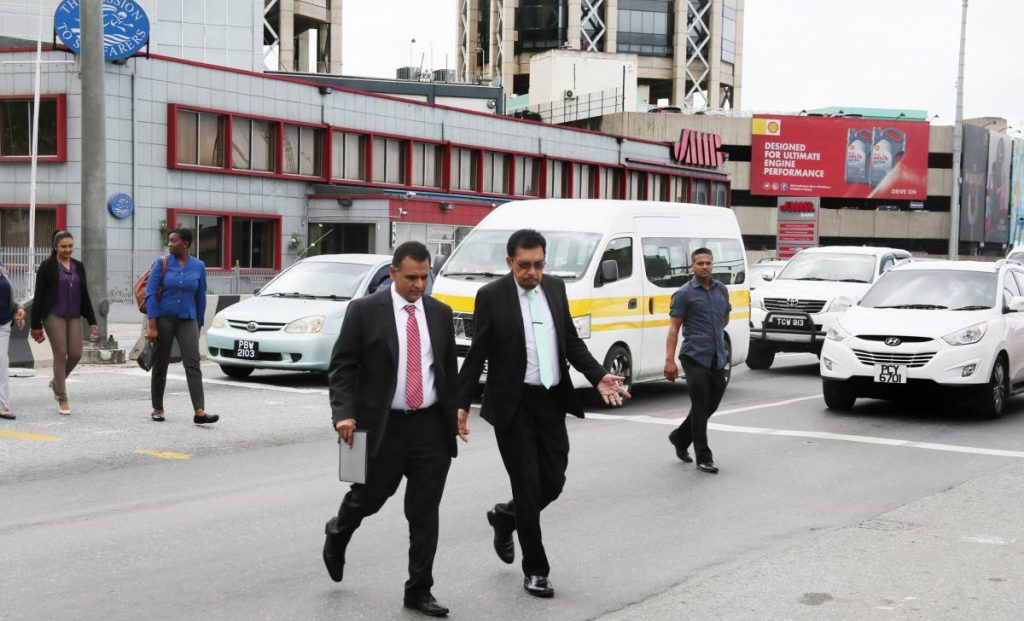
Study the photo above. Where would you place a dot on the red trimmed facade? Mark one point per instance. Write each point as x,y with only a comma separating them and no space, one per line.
62,133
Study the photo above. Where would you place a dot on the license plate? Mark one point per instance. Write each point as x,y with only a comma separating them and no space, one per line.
891,373
789,322
247,350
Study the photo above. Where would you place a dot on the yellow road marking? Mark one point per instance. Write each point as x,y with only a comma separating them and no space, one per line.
162,454
21,435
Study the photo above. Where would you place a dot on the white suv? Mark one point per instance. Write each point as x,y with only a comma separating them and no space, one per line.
937,327
795,309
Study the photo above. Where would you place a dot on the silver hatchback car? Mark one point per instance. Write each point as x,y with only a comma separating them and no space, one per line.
293,322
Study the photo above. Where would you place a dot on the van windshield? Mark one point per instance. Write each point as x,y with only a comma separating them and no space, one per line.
482,254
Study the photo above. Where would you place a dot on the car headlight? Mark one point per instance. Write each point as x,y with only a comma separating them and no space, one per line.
582,324
306,325
839,304
967,336
218,320
837,333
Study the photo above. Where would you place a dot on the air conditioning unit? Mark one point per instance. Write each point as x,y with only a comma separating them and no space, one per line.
568,94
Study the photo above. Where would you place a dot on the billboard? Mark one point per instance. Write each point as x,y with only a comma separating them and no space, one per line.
797,225
974,169
997,189
839,157
1016,190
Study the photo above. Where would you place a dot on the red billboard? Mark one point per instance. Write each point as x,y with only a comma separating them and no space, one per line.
839,157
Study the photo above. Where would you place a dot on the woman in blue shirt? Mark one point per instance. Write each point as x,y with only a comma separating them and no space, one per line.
176,306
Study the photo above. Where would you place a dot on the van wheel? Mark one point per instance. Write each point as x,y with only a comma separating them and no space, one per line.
838,395
236,372
992,396
760,357
727,369
619,362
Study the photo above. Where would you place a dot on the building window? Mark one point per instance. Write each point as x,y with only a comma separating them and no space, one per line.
658,187
635,185
719,194
427,164
389,160
207,237
680,191
253,144
700,192
464,168
611,182
558,179
200,139
541,24
303,153
583,178
14,226
527,176
349,156
645,27
497,170
729,31
253,242
16,128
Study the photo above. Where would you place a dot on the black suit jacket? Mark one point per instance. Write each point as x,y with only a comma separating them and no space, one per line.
499,340
364,365
46,292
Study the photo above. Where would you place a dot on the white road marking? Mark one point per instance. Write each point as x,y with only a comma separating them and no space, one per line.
992,541
761,406
234,383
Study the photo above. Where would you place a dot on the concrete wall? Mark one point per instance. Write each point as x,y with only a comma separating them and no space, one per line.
855,223
555,71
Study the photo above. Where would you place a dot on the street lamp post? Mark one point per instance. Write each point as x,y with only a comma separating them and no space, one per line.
958,135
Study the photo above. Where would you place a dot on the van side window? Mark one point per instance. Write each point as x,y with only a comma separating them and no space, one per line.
666,261
729,265
620,250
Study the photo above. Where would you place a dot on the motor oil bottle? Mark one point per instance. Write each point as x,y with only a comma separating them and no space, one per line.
858,146
887,149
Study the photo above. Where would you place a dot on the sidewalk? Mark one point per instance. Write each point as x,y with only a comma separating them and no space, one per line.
126,335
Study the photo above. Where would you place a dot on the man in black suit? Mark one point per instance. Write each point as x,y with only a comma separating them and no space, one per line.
524,333
394,373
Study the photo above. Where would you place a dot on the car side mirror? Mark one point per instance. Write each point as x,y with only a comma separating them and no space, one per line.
438,263
1016,304
609,271
768,276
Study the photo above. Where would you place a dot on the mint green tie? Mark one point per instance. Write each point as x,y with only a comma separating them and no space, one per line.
547,374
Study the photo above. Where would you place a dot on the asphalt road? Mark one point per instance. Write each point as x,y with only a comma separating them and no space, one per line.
892,511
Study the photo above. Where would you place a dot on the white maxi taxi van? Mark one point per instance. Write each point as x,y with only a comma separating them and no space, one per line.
621,262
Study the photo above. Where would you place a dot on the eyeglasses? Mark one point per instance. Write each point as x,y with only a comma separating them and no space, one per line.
525,265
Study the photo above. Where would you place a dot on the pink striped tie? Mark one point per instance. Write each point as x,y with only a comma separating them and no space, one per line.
413,372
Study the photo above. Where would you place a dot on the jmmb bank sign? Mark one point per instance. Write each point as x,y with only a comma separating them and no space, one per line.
125,27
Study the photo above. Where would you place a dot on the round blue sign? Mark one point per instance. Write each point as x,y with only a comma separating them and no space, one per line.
125,27
121,206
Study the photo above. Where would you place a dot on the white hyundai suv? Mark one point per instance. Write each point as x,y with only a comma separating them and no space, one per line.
793,311
941,328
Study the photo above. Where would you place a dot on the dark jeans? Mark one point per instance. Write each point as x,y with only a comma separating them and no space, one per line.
706,387
535,449
415,446
186,331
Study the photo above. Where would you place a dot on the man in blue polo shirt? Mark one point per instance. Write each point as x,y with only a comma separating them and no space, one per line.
702,308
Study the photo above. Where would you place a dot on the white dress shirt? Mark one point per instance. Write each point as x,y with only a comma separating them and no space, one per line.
426,353
532,364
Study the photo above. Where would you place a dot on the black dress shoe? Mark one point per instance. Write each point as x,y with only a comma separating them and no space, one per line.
503,544
334,557
205,419
538,586
708,467
681,452
427,605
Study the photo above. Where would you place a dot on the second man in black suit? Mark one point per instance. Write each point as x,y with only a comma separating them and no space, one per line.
524,333
394,374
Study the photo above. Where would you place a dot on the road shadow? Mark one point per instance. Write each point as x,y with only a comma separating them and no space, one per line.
928,410
290,379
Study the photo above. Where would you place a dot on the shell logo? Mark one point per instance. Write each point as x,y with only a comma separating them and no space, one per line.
773,127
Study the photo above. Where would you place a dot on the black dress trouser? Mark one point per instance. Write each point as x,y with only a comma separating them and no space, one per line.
706,387
415,446
535,449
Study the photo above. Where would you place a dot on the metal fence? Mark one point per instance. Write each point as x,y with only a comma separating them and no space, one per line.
574,107
123,268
